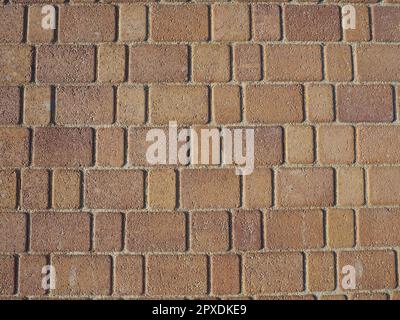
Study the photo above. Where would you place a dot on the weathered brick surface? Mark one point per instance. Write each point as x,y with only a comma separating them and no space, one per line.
129,275
13,232
108,232
37,105
8,182
14,147
31,274
66,189
340,228
35,189
225,272
11,23
382,185
15,63
321,271
211,63
10,105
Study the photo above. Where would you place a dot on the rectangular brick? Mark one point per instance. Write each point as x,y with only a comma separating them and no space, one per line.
11,24
230,22
8,189
108,232
258,189
211,63
14,147
35,189
225,274
299,144
162,189
111,63
15,63
266,22
131,105
226,104
383,185
36,33
38,104
129,275
338,62
7,275
340,228
13,228
10,105
321,271
66,189
319,103
268,145
30,275
110,147
350,186
386,23
132,22
362,29
247,59
246,230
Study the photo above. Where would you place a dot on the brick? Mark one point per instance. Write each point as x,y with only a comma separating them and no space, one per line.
333,297
11,24
338,62
10,105
184,104
382,186
7,275
110,147
211,63
287,297
335,144
386,23
65,64
230,22
36,33
202,188
15,63
350,186
8,189
319,103
268,147
226,104
246,228
305,187
374,269
158,63
378,144
13,227
138,146
70,147
247,60
30,275
369,296
340,228
273,272
321,271
273,103
111,63
210,231
299,144
162,189
87,23
66,189
177,275
14,147
35,189
38,105
157,232
377,62
312,23
294,229
225,274
132,21
258,189
108,232
131,105
129,275
114,189
180,22
83,275
266,22
362,30
60,231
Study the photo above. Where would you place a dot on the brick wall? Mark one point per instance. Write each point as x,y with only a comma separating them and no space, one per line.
76,191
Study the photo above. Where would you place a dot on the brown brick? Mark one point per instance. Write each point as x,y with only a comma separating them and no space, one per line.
287,297
15,64
365,103
268,147
230,22
374,269
338,62
294,229
65,63
110,147
10,105
225,274
138,146
288,62
66,189
273,272
8,189
87,23
162,189
321,271
386,23
273,103
377,62
350,186
299,144
111,63
7,275
158,63
258,189
35,189
130,105
211,63
226,104
177,275
108,232
83,275
11,23
13,227
319,103
266,22
60,231
129,275
202,188
180,22
63,147
383,185
369,296
333,297
247,60
38,104
114,189
210,231
158,231
30,275
305,187
36,33
340,228
362,30
312,23
247,230
132,22
14,145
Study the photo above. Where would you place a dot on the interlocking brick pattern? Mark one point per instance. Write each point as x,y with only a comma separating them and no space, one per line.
77,192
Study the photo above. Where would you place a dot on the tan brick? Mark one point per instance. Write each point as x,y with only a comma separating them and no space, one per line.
340,228
321,271
319,103
247,230
362,30
38,104
266,22
129,275
333,297
36,33
350,186
10,105
386,23
111,63
60,231
383,185
273,272
138,146
131,105
110,147
230,22
14,145
132,22
287,297
305,187
258,189
30,275
13,227
8,189
180,22
158,63
11,23
35,189
177,275
211,63
162,189
15,64
338,62
114,189
299,144
7,275
63,147
268,145
369,296
225,274
108,232
273,103
226,104
247,59
66,189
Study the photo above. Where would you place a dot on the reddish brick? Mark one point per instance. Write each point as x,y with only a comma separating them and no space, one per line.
8,189
37,105
162,189
362,29
350,186
129,275
319,103
247,59
383,185
132,22
36,33
268,145
15,64
266,22
299,144
131,105
226,104
321,271
13,227
386,23
11,23
225,274
30,275
338,62
258,189
66,189
10,105
14,147
108,232
110,146
369,296
230,22
340,228
35,189
111,63
247,230
211,63
7,275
